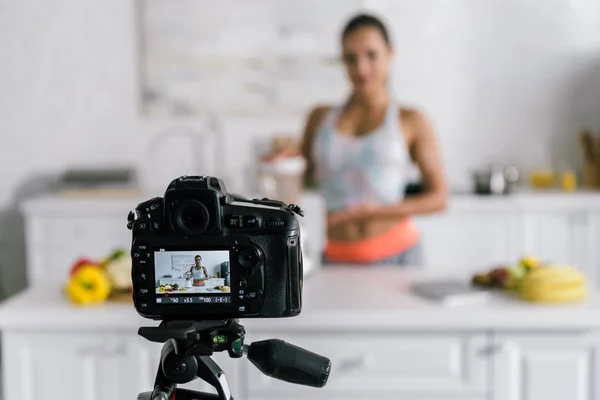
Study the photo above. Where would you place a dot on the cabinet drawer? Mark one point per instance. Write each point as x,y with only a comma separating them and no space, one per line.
407,364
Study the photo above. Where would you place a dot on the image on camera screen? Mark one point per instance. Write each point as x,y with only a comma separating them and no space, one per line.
197,276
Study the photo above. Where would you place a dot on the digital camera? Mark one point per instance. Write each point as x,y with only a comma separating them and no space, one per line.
201,253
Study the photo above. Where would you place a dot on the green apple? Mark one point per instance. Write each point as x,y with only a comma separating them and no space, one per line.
517,273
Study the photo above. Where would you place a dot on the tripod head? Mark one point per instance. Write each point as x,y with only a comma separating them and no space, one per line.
189,345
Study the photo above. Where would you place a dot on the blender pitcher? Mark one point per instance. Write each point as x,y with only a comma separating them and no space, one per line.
188,280
282,179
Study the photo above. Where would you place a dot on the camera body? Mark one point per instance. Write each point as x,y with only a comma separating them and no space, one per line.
202,253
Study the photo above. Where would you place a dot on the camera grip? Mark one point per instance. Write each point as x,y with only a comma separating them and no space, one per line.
289,363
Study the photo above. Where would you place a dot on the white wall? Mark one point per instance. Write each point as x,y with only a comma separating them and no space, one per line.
501,80
68,86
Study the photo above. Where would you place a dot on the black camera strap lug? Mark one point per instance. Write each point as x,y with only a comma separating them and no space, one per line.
296,209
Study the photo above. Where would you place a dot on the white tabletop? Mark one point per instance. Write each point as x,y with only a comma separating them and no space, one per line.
333,298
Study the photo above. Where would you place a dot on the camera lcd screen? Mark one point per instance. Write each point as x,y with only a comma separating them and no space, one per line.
192,277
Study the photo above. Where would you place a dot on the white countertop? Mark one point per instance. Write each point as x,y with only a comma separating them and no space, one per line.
524,200
334,299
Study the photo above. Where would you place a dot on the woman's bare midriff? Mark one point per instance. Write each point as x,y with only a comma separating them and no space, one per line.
350,231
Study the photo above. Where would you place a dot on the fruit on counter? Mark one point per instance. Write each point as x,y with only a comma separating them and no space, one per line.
89,284
516,274
224,288
554,284
507,277
118,268
80,262
498,277
530,262
483,279
118,253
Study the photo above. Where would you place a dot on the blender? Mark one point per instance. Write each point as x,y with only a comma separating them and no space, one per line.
188,280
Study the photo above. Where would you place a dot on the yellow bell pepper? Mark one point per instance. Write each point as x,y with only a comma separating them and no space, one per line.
88,285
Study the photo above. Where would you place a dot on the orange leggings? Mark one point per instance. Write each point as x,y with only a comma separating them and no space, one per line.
394,241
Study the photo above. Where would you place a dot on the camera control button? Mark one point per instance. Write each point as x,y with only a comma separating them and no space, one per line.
155,226
251,295
144,305
141,247
143,291
143,260
250,221
234,221
242,309
142,277
142,226
242,283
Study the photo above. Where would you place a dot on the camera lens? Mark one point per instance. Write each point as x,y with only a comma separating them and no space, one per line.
191,217
248,257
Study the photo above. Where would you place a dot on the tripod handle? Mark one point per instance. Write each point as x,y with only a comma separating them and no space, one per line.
284,361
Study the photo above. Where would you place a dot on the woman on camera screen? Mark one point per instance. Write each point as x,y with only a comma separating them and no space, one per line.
198,271
360,153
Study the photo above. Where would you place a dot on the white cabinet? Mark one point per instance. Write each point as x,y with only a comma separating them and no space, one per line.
461,240
391,365
546,366
594,249
70,366
550,236
89,366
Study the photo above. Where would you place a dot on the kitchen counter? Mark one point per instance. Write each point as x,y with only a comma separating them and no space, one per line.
521,200
333,298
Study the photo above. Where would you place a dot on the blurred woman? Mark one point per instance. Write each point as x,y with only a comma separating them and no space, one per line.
359,154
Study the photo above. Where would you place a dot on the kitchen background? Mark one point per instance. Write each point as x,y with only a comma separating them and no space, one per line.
196,86
82,83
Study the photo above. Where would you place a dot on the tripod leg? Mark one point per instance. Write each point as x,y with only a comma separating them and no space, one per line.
210,372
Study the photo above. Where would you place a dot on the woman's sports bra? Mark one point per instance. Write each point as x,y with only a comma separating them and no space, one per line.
356,170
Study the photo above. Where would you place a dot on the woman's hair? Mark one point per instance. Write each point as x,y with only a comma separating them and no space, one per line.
366,20
198,256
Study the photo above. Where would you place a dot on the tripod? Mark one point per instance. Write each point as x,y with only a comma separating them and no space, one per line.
186,355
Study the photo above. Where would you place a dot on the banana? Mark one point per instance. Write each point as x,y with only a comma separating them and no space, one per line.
554,284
